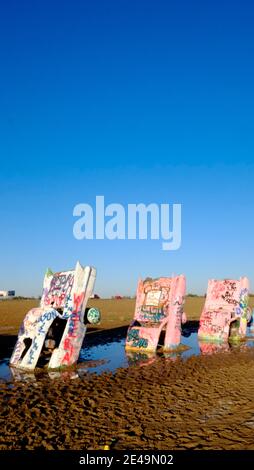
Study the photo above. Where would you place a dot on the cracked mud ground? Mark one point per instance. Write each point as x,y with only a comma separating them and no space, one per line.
204,402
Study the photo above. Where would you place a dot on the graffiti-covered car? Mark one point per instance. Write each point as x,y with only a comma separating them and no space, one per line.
53,333
226,313
159,309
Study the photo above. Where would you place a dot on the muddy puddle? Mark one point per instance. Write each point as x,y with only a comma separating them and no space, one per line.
105,352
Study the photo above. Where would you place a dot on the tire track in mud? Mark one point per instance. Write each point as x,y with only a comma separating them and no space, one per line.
203,402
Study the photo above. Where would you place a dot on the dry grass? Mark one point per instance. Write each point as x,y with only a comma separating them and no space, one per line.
114,312
12,313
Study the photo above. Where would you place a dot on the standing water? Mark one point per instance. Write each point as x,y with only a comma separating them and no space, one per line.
105,352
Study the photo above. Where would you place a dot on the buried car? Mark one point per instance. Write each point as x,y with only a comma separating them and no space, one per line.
53,333
159,309
226,313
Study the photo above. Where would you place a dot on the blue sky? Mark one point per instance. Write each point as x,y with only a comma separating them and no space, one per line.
139,101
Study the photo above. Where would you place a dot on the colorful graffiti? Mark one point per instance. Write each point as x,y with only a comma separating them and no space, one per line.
159,308
59,290
93,316
225,313
59,321
133,336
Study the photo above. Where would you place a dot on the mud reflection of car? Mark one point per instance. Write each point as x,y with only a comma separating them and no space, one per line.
226,313
158,314
140,358
251,323
53,333
207,348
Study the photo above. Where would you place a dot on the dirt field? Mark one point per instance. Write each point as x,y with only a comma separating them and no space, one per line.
114,312
204,402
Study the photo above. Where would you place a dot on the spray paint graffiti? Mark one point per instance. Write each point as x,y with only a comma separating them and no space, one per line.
226,312
59,290
59,325
159,307
136,340
93,316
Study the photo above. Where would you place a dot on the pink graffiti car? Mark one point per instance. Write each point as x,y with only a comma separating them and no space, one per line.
159,308
225,313
54,332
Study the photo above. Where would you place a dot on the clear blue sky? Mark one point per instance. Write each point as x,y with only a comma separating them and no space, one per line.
140,101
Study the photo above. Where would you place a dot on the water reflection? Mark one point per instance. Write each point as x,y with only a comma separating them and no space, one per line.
140,358
106,353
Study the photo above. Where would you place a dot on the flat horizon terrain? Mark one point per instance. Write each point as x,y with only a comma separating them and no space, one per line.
114,312
202,402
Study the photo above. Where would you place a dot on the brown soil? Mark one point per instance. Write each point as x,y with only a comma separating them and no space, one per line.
114,313
204,402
